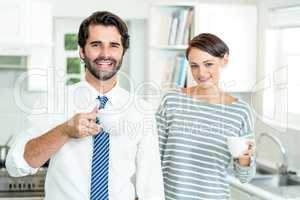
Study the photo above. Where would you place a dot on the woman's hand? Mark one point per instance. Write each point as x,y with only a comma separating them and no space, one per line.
245,159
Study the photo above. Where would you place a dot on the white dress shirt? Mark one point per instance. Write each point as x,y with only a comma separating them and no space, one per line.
134,162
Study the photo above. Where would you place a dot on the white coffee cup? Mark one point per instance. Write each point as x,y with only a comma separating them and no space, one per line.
237,146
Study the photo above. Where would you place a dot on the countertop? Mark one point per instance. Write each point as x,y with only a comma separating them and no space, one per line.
22,198
278,193
282,193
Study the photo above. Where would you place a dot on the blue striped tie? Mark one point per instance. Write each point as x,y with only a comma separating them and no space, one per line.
100,162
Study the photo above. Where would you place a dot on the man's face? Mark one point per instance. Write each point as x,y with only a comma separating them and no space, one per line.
103,51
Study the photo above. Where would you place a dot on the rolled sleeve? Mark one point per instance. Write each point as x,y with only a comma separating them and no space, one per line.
245,173
15,162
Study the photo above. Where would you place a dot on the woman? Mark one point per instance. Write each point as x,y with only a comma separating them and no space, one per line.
194,125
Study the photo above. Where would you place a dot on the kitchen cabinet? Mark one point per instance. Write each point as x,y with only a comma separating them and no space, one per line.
40,59
14,18
26,30
25,23
41,21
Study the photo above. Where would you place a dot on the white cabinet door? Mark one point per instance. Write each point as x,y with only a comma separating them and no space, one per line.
236,25
41,21
40,60
14,15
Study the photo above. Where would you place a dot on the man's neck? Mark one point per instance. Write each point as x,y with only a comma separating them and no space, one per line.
101,86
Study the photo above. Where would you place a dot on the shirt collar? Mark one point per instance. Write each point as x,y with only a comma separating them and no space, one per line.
112,94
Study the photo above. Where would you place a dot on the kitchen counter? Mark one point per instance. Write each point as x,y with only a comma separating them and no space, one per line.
282,193
25,195
22,198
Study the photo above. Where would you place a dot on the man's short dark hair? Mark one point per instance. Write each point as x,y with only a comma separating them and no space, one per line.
104,18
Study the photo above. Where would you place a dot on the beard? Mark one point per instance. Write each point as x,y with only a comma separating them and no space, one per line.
103,75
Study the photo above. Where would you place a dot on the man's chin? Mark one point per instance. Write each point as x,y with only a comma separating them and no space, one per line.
105,76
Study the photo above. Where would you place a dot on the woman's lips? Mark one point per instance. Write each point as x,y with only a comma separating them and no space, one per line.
203,80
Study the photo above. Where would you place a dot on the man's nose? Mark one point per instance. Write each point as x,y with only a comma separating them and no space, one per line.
105,51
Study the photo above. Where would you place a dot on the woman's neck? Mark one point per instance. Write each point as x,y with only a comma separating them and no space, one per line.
213,95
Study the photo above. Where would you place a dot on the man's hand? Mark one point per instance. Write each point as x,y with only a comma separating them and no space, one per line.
40,149
82,125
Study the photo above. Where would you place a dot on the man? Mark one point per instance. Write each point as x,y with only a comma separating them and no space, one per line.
111,153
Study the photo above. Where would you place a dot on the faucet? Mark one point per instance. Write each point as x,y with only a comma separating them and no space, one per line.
283,167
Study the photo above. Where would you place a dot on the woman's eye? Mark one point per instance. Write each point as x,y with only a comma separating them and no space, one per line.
194,66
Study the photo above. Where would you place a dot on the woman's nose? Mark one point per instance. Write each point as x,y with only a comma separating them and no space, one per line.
201,71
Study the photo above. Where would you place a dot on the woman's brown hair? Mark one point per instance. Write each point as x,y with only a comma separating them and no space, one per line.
209,43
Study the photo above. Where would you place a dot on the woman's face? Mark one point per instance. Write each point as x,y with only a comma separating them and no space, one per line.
205,67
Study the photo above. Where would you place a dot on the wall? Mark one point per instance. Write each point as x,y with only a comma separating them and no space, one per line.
128,9
12,118
289,137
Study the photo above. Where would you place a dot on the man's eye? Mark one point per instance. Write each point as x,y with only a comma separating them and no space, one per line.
115,46
95,45
208,64
194,66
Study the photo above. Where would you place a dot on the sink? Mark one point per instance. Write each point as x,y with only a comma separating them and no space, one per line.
286,187
269,177
271,183
265,170
275,181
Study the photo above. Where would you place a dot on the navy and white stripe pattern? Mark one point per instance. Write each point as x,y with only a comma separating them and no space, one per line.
100,162
193,147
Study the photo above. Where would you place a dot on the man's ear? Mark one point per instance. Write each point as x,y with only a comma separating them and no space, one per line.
81,53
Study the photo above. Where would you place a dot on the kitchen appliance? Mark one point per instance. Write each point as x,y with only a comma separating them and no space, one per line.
15,187
27,186
4,151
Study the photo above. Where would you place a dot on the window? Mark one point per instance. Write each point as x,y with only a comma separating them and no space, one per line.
282,68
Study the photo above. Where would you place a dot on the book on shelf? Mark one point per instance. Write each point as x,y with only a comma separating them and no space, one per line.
180,26
173,28
188,27
182,72
175,72
164,29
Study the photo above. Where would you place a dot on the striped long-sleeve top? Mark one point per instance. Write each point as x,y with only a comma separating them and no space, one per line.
193,146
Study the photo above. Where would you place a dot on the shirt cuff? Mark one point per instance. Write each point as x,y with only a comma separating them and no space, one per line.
15,163
245,169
